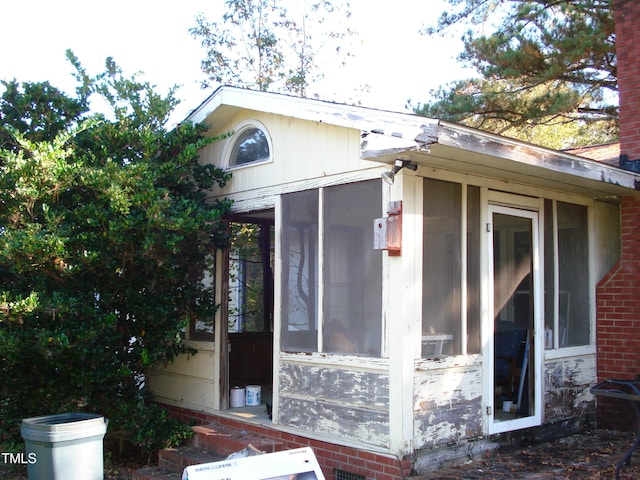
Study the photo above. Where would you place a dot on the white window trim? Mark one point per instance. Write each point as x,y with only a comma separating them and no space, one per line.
321,262
243,126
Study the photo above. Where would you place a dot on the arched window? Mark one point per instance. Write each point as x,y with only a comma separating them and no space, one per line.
251,145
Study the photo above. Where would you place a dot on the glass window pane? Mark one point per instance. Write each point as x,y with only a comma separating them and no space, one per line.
250,146
573,270
441,314
299,331
514,309
352,270
250,278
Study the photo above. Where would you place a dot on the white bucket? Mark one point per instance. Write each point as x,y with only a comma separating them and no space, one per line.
253,395
237,397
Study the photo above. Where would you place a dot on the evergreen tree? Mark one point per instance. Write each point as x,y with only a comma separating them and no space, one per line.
545,62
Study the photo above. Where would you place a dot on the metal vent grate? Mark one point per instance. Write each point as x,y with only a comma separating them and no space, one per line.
342,475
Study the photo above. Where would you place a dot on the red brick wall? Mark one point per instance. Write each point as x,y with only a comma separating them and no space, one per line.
373,466
618,294
627,17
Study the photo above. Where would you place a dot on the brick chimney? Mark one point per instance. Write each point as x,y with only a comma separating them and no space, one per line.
618,301
627,18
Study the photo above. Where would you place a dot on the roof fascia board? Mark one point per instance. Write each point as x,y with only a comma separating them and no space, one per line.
386,134
399,125
465,138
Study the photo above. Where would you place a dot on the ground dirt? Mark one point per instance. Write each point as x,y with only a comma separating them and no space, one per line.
591,455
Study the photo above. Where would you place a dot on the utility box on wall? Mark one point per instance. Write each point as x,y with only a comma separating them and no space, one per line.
387,231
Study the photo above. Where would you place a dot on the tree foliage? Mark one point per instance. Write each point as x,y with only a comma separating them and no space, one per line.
105,236
545,62
261,44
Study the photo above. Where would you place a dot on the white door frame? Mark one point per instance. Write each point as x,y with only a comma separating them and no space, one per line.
531,208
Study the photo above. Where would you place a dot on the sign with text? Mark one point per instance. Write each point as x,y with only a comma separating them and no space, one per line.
297,464
18,458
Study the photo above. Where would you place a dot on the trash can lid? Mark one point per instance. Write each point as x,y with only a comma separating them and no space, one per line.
63,427
63,418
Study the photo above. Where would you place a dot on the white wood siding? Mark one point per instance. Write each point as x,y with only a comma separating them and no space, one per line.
302,151
189,382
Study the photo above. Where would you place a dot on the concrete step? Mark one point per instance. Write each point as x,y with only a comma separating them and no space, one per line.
210,443
225,440
172,461
177,459
154,473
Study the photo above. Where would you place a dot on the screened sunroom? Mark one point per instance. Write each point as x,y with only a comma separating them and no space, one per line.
406,283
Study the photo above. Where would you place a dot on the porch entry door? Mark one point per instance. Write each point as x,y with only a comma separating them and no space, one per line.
244,334
513,361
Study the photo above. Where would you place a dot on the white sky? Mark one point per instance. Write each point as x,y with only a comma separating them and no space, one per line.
152,37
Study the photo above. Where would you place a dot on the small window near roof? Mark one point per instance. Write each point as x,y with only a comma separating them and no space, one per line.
251,145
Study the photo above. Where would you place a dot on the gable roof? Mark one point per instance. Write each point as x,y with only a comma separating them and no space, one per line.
432,142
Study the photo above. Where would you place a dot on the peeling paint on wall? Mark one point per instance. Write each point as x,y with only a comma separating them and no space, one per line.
335,401
567,383
448,405
448,400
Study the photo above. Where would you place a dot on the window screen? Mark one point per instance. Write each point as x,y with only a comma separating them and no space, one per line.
567,312
299,245
441,308
573,275
473,270
351,270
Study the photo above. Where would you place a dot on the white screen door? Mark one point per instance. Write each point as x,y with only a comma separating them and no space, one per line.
513,360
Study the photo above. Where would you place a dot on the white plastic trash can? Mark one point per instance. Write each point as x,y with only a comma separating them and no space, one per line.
66,446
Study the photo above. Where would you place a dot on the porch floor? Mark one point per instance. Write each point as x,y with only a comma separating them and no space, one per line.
256,414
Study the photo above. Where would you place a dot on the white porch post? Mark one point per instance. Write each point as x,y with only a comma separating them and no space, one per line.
403,312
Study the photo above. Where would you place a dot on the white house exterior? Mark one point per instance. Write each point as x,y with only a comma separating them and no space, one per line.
405,315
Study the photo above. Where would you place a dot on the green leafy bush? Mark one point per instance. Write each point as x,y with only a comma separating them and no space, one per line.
105,236
150,427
